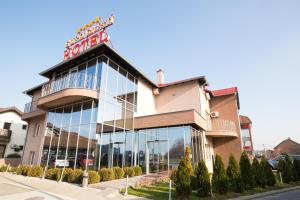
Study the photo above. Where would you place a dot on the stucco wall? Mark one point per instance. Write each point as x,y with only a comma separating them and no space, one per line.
224,146
34,143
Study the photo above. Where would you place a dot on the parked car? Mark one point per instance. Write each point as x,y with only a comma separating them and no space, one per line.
274,162
82,161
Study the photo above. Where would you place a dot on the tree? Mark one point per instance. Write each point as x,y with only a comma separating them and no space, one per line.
285,166
267,172
202,176
246,173
296,168
183,180
188,160
259,177
219,179
233,174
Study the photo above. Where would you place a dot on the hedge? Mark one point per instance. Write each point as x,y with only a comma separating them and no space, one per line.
107,174
35,171
94,177
119,172
129,171
137,170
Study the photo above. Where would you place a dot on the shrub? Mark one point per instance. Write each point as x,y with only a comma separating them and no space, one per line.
194,182
245,170
174,175
128,171
94,177
119,172
107,174
13,155
188,160
285,166
296,168
259,177
23,170
67,172
203,181
12,169
3,168
53,174
266,172
183,180
219,179
75,176
137,170
233,174
35,171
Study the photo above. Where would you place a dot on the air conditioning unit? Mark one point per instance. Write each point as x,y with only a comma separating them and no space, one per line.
214,114
14,146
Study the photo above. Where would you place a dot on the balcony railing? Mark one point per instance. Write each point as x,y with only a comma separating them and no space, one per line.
30,107
72,80
221,125
5,135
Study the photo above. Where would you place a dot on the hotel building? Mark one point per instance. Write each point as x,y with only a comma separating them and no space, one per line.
98,110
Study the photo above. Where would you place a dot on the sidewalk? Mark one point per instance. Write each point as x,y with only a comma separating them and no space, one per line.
21,187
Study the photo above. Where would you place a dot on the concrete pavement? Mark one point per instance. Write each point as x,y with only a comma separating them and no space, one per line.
290,195
16,187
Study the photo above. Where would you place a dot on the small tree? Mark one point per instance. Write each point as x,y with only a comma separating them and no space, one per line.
188,160
219,179
233,174
296,168
246,173
285,166
259,177
202,175
266,172
183,180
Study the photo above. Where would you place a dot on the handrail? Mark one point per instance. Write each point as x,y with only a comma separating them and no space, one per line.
221,125
72,80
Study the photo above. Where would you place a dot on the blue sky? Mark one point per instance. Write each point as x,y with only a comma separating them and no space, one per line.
254,45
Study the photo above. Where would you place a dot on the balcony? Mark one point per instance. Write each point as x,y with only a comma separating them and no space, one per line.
221,128
31,110
70,88
5,135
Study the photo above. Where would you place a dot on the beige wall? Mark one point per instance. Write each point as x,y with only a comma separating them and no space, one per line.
224,146
185,96
34,143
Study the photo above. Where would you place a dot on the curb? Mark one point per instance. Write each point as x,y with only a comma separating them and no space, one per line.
264,194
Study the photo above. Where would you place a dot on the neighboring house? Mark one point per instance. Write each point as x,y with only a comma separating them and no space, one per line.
287,146
97,110
12,132
246,129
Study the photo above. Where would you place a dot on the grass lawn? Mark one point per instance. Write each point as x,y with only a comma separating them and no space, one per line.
160,191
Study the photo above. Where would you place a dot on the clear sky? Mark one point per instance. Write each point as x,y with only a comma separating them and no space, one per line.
254,45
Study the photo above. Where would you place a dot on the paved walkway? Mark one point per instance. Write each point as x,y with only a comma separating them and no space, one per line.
15,187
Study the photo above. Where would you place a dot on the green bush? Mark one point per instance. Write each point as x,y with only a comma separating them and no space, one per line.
12,169
94,177
53,174
234,177
3,168
183,180
35,171
245,170
174,175
285,166
203,181
75,176
137,170
219,179
66,174
259,177
23,170
266,172
194,182
128,171
188,160
107,174
119,172
296,168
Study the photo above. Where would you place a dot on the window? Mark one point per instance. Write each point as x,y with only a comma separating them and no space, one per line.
36,130
31,157
7,125
24,127
2,150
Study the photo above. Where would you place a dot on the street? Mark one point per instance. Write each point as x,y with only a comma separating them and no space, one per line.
291,195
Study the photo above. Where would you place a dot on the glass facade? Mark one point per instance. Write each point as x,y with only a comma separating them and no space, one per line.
94,134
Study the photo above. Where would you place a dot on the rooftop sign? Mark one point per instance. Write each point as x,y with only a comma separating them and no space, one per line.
88,36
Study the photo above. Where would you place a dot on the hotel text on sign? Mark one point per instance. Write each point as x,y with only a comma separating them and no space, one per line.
88,36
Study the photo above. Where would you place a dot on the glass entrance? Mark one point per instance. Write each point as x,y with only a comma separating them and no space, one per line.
156,155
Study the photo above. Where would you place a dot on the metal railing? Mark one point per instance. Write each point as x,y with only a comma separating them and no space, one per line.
30,107
221,125
72,80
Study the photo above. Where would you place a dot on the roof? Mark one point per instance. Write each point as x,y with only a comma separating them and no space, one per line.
31,90
202,80
289,140
11,109
226,91
245,120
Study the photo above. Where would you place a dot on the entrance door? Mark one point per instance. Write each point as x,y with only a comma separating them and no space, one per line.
157,156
